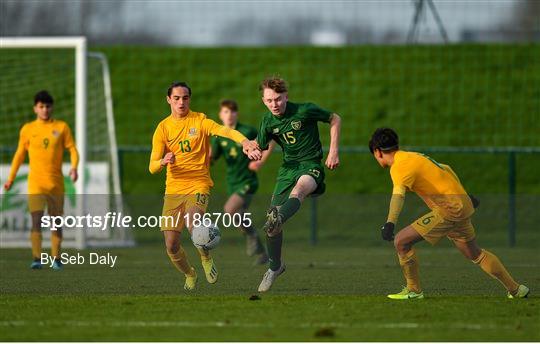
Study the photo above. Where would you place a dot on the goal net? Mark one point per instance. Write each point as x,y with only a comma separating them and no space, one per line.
80,85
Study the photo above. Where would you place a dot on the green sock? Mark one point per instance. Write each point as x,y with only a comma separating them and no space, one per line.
289,208
250,230
274,250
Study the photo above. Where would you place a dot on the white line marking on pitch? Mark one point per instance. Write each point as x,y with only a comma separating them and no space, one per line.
18,323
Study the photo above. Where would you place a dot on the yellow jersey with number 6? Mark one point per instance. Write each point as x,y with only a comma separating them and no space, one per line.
435,183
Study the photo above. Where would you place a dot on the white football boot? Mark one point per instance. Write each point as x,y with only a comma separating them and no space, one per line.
269,278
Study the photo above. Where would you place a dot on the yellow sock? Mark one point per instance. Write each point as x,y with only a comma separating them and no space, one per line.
205,254
180,261
493,267
35,239
409,265
56,241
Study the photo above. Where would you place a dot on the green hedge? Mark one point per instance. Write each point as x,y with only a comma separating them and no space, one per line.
455,95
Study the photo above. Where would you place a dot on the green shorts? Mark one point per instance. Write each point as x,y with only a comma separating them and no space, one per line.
289,174
244,188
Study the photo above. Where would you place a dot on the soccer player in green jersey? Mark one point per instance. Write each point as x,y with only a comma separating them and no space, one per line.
242,182
293,126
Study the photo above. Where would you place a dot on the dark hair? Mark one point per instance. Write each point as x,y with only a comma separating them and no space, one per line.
274,83
229,104
43,97
178,84
384,139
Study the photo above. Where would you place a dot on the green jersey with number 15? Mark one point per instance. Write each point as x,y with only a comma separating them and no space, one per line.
296,131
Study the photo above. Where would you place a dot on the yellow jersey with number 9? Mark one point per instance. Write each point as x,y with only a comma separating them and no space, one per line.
45,142
435,183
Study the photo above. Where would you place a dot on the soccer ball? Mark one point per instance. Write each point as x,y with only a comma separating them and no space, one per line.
206,237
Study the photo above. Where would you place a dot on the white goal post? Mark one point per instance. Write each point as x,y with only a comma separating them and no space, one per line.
81,237
110,122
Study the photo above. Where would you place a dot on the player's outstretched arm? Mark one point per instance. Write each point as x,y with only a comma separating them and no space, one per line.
332,160
396,205
256,165
250,148
212,128
18,159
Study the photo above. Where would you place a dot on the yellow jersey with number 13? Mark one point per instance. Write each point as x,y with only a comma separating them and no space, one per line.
188,138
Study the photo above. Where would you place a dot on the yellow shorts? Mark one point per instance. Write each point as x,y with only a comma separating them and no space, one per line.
433,227
54,203
175,208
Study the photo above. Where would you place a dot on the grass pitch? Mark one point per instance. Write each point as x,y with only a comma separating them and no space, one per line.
329,292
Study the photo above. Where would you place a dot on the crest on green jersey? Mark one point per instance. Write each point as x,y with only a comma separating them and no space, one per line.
296,125
223,143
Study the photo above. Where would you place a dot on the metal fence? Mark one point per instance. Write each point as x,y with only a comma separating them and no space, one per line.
510,153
